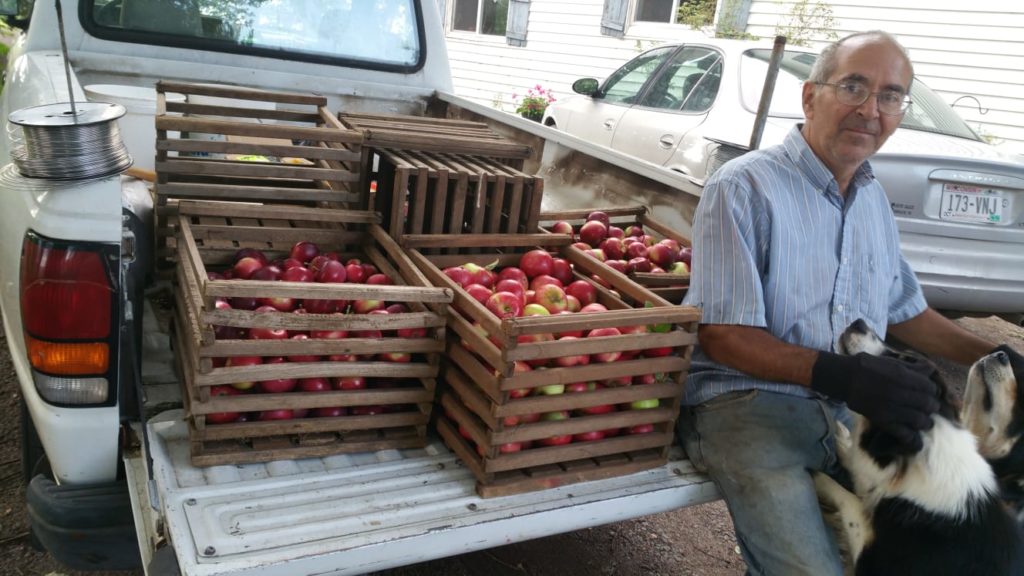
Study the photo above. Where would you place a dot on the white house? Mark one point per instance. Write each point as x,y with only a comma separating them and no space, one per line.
971,53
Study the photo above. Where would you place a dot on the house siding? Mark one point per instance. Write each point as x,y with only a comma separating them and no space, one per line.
958,48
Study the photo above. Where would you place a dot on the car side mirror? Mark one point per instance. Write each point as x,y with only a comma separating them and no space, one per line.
586,87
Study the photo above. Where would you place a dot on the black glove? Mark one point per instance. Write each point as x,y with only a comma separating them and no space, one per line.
1016,359
896,395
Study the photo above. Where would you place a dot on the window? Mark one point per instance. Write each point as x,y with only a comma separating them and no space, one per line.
625,84
481,16
657,11
384,34
680,79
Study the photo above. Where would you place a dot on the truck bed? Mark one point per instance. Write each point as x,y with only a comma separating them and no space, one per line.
354,513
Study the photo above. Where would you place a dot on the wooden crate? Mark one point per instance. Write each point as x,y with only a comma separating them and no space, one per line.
671,287
449,135
209,235
480,379
250,146
438,193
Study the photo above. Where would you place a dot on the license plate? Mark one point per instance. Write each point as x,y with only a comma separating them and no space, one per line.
964,203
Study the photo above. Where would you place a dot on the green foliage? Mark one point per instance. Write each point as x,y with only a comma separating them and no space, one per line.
696,13
806,21
699,14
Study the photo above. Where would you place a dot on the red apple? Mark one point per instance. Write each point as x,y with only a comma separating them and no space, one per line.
511,285
314,384
640,429
355,272
367,306
505,305
602,333
584,291
513,273
291,263
510,447
599,216
400,357
617,265
636,250
303,357
562,227
594,307
569,361
479,292
582,246
685,255
597,254
236,361
613,248
330,412
264,333
536,262
320,306
661,255
222,417
350,383
297,274
280,414
380,279
543,280
615,232
317,263
599,409
277,386
270,272
551,297
593,233
251,253
304,251
459,275
246,267
635,230
562,270
590,436
480,275
639,264
333,272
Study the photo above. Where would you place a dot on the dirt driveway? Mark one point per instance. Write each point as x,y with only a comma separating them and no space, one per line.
694,541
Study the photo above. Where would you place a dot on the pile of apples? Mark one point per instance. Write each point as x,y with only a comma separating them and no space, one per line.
543,285
305,263
626,250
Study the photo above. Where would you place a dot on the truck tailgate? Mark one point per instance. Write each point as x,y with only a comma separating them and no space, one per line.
358,513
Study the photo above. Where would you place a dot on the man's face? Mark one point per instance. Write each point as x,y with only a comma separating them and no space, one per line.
844,136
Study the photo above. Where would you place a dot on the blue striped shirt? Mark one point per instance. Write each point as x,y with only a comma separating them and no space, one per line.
777,247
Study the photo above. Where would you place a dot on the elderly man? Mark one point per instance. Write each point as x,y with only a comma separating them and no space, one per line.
791,245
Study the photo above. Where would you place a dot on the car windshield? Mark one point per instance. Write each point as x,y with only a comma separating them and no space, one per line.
378,33
928,112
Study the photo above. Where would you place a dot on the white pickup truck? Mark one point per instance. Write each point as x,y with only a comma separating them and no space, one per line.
103,495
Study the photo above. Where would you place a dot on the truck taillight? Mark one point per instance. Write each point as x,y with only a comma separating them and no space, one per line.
68,299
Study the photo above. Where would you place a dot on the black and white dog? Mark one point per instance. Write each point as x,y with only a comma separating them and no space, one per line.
935,512
994,412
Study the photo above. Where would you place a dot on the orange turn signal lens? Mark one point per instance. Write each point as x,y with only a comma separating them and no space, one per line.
68,358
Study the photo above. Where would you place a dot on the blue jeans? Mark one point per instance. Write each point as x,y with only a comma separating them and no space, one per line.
760,449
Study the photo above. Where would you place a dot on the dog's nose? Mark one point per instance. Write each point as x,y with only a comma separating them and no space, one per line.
1002,357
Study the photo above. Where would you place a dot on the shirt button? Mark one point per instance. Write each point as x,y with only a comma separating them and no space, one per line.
846,260
839,308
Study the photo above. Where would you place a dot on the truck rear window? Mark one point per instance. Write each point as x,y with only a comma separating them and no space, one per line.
379,34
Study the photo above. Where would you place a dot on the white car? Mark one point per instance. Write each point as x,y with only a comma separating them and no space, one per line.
958,201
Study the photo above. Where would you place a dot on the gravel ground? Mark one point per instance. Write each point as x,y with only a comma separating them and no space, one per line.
693,541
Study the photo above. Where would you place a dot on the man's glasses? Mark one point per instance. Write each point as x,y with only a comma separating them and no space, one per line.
891,102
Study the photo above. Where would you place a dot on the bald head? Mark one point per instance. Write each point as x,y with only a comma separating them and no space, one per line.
826,64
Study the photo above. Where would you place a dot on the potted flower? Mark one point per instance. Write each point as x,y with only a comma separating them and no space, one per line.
533,104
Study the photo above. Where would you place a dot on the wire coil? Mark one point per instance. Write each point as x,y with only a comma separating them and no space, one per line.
60,145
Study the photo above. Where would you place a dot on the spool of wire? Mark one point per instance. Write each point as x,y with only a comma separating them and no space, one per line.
59,144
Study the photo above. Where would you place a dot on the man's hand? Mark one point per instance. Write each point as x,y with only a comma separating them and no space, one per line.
894,395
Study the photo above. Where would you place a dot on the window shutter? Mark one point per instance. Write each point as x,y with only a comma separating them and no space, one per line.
518,18
613,19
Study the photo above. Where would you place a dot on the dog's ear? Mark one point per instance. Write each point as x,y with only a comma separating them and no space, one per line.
886,447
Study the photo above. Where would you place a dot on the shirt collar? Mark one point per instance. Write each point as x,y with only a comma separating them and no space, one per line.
815,170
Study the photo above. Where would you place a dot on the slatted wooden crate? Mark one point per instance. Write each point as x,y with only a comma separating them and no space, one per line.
449,135
438,193
671,287
481,380
251,146
209,235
